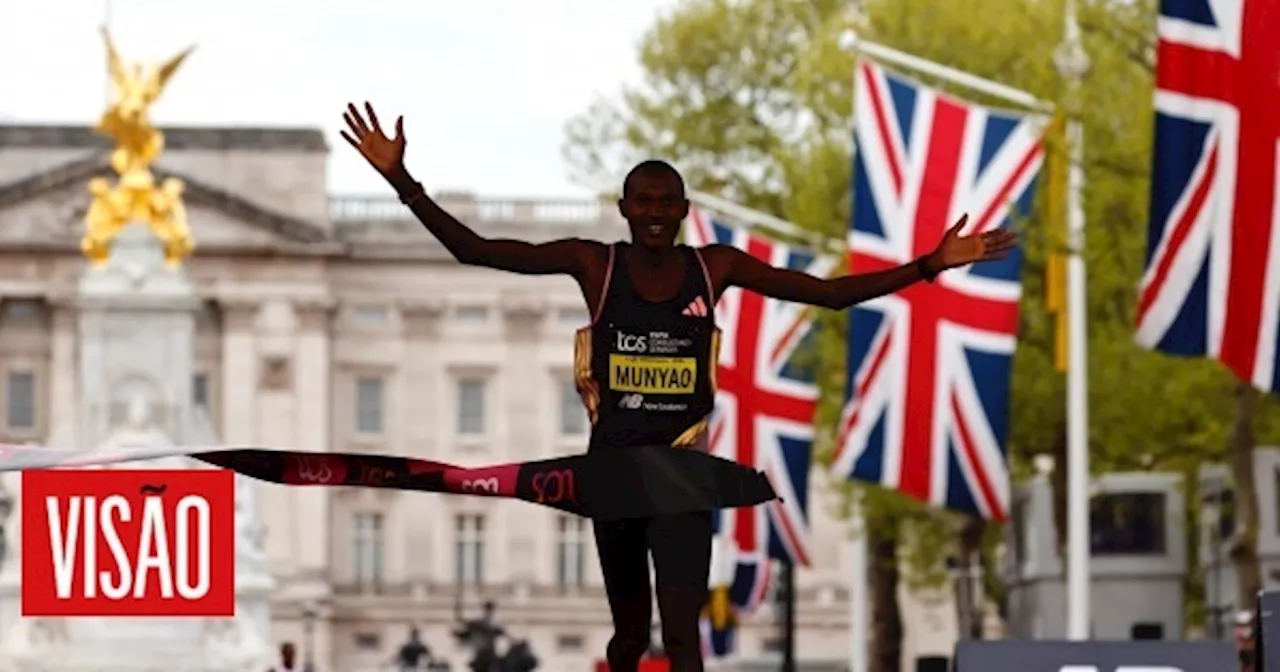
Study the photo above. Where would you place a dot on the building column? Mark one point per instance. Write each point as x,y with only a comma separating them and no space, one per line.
524,388
62,402
239,408
421,415
312,393
239,372
525,381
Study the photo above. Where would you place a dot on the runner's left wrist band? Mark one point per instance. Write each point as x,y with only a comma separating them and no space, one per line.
922,265
413,194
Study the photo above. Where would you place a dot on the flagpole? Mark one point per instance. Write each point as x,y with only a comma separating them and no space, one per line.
755,218
1073,63
788,572
851,42
859,604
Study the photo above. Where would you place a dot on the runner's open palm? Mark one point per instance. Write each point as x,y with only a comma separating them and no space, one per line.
383,153
957,250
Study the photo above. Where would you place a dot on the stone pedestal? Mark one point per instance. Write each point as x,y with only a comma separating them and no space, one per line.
136,323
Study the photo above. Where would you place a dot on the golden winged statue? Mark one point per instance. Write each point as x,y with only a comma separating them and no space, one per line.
128,119
137,197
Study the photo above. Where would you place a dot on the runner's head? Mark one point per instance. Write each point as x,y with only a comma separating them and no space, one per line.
654,204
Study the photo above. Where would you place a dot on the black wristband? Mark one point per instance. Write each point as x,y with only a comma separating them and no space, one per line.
412,194
922,266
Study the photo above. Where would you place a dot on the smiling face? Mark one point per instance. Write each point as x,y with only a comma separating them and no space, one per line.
654,204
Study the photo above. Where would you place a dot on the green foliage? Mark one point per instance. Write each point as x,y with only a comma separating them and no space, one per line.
753,100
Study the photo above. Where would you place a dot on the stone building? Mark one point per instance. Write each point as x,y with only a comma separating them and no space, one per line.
335,323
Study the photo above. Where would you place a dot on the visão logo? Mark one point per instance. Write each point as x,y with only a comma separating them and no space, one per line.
128,543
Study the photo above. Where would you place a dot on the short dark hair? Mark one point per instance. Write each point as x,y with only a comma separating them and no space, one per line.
651,167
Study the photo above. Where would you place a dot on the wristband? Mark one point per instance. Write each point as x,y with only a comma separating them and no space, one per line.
922,266
414,195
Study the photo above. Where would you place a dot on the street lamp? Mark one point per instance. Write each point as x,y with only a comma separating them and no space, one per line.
310,610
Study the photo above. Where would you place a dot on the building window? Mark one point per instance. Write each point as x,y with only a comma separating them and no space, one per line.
1128,523
572,316
367,534
21,309
369,399
570,551
471,393
570,643
200,391
369,316
20,401
573,415
472,314
368,641
469,558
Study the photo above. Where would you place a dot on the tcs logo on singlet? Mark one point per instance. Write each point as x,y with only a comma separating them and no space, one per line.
650,373
629,343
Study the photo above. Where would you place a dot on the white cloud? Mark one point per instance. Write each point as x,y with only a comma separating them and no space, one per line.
485,86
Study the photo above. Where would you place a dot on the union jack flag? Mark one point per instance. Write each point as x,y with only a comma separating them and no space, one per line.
928,390
765,402
1212,282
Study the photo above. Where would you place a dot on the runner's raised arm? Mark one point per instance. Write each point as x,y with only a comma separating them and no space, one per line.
386,154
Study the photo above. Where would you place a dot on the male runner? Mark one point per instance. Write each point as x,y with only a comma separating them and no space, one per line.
645,365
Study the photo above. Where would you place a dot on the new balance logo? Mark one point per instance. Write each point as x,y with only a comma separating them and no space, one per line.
696,308
631,401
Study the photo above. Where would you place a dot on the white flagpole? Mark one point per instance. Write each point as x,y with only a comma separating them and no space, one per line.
755,218
1073,62
879,52
859,561
859,604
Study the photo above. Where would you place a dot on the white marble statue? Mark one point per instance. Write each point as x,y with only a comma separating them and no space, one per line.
250,531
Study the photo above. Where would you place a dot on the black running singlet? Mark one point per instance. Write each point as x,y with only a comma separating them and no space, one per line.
644,369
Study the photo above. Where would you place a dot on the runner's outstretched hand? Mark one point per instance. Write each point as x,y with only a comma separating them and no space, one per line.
957,250
386,154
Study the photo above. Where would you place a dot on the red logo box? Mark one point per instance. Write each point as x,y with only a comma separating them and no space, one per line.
106,542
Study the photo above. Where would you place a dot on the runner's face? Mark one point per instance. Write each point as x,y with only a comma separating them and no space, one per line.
654,206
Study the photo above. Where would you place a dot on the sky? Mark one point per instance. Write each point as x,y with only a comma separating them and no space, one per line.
485,86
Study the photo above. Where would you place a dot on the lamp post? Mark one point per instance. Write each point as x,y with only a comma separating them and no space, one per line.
310,611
